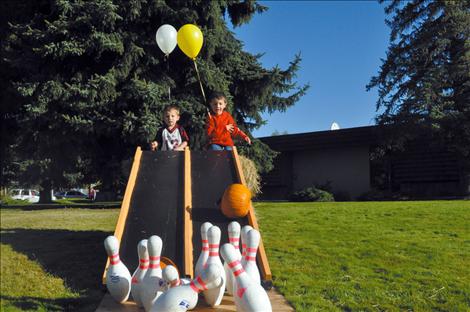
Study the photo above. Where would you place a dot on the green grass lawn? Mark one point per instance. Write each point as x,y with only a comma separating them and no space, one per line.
368,256
52,260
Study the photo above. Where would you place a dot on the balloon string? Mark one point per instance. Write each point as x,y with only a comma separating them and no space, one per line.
167,60
200,83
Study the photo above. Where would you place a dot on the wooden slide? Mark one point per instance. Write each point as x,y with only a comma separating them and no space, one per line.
170,194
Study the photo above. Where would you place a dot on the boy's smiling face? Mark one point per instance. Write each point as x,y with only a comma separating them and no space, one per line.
171,118
218,105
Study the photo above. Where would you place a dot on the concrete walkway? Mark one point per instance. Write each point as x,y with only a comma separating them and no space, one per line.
278,302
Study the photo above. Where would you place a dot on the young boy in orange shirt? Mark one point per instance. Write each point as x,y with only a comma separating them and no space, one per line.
220,125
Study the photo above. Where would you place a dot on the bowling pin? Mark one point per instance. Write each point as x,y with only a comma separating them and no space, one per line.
249,261
248,296
201,261
139,273
171,277
245,231
234,239
153,283
185,297
118,277
214,295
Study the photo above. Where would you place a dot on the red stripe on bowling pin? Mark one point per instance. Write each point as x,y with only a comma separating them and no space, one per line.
114,259
154,262
235,241
198,284
251,254
213,250
205,244
144,264
236,267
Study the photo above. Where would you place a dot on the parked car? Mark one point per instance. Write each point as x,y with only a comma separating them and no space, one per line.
71,194
59,195
25,194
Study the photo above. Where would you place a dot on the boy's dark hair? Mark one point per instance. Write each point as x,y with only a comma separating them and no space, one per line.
216,95
171,107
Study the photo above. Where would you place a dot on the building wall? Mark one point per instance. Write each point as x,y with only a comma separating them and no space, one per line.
347,169
277,184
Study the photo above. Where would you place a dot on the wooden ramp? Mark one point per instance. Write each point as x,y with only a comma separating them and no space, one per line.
170,194
278,303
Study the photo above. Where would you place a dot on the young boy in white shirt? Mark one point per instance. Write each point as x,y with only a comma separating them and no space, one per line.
173,137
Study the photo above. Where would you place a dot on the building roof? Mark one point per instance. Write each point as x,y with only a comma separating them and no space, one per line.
349,137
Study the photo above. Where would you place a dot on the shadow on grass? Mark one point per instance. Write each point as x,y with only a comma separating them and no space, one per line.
43,304
77,257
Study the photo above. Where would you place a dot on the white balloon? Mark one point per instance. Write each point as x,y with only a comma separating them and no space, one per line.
166,38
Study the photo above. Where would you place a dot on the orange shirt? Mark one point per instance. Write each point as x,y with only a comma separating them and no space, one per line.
218,133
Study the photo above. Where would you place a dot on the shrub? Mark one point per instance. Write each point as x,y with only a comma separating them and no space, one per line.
311,194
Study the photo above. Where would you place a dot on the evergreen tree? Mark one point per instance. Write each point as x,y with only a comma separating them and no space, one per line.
90,82
424,82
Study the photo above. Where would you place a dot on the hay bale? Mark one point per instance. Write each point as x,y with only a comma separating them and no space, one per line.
252,177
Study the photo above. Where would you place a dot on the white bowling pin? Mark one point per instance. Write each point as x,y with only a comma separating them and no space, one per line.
234,239
118,277
248,296
171,277
201,261
214,295
139,273
153,283
185,297
249,261
245,231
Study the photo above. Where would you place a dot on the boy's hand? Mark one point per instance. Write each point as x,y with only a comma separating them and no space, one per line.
230,128
248,140
153,146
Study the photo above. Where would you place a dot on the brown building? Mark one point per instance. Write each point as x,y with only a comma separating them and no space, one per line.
342,160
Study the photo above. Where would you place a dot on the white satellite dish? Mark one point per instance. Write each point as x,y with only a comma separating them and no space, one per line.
334,126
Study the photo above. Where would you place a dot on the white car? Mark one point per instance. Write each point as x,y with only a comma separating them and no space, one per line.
25,194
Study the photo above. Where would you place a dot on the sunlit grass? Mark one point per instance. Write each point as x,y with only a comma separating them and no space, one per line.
375,256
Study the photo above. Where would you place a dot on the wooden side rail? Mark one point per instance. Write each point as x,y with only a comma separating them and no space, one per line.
262,258
188,223
121,222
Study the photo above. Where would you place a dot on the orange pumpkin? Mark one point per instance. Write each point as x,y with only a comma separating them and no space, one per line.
236,201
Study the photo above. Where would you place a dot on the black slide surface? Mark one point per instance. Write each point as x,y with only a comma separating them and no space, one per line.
156,207
211,173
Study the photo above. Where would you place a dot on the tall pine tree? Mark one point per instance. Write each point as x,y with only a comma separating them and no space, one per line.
90,82
424,82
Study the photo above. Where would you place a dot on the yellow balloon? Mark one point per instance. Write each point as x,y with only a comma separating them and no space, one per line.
190,40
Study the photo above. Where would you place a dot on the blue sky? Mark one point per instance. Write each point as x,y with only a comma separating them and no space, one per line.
341,43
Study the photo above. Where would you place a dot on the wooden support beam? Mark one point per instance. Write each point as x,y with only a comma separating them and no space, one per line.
188,223
121,222
262,258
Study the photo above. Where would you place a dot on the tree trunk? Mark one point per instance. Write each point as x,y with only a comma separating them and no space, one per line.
45,196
